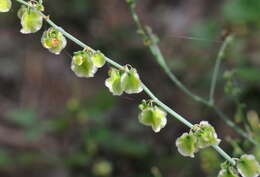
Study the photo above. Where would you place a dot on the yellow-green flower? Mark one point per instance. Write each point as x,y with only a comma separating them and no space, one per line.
187,144
131,82
82,65
5,5
113,83
31,21
98,59
248,166
205,134
152,116
53,40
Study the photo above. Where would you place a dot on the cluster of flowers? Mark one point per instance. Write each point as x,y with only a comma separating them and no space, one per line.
200,136
85,63
32,21
126,80
204,135
246,166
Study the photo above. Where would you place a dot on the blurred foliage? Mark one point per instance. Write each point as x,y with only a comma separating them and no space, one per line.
29,121
210,161
242,11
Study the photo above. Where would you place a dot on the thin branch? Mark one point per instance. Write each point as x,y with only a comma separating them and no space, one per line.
220,57
234,126
151,40
148,92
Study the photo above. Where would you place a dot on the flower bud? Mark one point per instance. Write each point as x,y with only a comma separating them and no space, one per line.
98,59
131,82
37,5
114,82
153,116
53,40
31,21
248,166
5,5
82,65
186,144
205,134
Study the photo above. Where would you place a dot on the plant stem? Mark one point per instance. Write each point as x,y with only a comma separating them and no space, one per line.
155,50
220,57
224,154
166,108
147,34
148,92
234,126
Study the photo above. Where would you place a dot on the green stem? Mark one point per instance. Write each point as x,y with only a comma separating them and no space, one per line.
166,108
224,154
183,88
220,57
155,50
148,92
234,126
147,34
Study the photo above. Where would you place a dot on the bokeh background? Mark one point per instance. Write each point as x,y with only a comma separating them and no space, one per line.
57,125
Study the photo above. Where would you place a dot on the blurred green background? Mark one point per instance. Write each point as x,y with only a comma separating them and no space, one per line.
53,124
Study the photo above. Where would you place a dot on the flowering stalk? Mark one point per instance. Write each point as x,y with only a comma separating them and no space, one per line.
120,67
